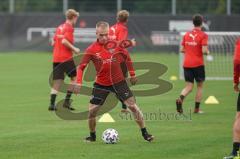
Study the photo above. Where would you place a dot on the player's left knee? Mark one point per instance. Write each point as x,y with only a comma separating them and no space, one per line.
92,114
237,128
130,102
200,84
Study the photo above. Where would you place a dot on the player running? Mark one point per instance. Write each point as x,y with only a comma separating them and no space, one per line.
236,125
194,45
109,78
63,49
119,32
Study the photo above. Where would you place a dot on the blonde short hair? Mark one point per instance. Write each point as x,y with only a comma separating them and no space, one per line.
71,13
122,16
102,25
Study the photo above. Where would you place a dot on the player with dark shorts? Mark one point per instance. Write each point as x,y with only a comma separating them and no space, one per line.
194,46
63,58
236,125
119,32
109,78
62,68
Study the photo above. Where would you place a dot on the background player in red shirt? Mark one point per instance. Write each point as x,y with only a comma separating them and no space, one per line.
119,32
236,125
194,45
63,49
109,78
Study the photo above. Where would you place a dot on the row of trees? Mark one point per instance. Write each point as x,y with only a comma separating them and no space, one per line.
135,6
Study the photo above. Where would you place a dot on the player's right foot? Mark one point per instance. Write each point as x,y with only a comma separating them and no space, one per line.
179,106
230,157
67,105
90,139
52,108
148,137
198,111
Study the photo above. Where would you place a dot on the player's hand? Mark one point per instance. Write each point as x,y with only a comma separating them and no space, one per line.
76,50
76,88
207,53
133,42
133,80
235,87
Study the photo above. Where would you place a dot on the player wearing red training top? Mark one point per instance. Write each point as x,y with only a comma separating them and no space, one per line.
194,45
119,32
236,125
63,49
109,78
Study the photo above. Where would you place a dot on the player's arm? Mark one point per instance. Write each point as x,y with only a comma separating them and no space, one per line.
68,40
182,48
131,70
66,43
205,49
80,70
236,75
84,62
53,40
123,35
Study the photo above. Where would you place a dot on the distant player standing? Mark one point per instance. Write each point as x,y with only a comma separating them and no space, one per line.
63,49
119,32
236,125
194,45
109,78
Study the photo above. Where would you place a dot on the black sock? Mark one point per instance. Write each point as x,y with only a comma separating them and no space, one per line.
93,135
182,97
197,105
124,106
53,98
144,131
68,96
235,148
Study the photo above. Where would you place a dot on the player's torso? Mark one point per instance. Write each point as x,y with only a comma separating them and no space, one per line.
107,65
115,31
60,52
193,41
193,48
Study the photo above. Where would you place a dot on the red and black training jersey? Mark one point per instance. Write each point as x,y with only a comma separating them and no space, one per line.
107,64
62,53
118,31
193,42
236,62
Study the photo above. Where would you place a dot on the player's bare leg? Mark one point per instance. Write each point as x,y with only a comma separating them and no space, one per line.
93,109
54,91
198,97
138,116
236,128
187,89
236,137
67,103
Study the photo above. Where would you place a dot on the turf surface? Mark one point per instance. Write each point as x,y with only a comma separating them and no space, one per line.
28,130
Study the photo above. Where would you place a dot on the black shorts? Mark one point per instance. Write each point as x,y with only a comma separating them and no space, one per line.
197,73
100,92
238,103
59,70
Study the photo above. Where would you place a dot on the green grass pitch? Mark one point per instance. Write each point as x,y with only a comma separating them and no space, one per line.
29,131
